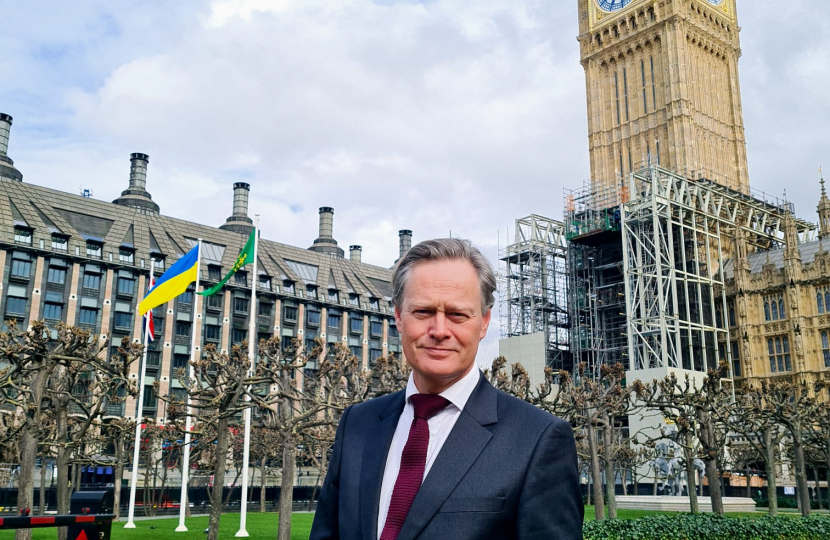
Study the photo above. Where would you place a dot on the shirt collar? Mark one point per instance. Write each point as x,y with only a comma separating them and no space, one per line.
458,393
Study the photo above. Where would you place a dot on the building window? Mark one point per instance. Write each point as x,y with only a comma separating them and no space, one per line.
736,360
289,313
240,304
625,94
654,101
312,316
265,283
93,249
158,263
311,291
288,287
774,308
779,354
16,306
52,311
180,361
617,95
123,320
643,72
214,272
825,347
215,301
731,308
334,296
149,398
21,268
126,286
357,351
241,278
376,328
183,328
375,351
56,275
212,332
356,325
23,235
238,335
287,343
88,316
266,309
92,278
354,299
126,255
823,300
59,242
333,321
186,297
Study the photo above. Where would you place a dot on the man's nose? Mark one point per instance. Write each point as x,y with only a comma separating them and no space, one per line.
438,328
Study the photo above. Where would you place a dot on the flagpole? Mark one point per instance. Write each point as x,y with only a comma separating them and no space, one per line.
139,411
187,423
243,512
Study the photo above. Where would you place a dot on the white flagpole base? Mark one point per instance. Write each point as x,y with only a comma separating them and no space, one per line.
181,528
129,525
242,534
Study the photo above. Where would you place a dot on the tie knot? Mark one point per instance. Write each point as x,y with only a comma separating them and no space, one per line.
428,405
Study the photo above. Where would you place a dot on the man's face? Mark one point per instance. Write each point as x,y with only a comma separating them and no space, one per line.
441,323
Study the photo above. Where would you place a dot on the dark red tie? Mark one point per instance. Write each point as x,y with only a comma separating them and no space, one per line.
413,462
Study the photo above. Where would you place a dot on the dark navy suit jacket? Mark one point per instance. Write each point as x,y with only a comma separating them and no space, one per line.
507,471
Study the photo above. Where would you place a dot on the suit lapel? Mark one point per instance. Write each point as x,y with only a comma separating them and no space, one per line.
461,449
374,463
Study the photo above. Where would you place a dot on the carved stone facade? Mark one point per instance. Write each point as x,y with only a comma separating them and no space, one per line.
778,306
662,84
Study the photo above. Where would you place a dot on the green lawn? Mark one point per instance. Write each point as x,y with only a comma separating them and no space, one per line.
260,526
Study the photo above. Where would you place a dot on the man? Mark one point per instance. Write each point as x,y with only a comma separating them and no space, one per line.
450,457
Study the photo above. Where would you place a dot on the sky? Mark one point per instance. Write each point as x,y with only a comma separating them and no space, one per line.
446,117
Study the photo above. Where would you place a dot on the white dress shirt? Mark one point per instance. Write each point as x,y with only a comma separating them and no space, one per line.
440,426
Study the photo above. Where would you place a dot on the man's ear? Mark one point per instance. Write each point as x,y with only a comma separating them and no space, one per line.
397,316
485,319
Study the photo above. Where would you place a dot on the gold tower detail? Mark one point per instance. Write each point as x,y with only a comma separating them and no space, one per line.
662,84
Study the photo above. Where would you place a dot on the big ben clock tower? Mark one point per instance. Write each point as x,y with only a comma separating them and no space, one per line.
662,84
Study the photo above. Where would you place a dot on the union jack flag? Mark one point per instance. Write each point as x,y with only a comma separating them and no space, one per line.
149,315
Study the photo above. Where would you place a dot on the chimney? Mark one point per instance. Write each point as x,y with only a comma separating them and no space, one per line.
326,243
5,128
7,169
136,196
138,171
239,220
405,241
354,253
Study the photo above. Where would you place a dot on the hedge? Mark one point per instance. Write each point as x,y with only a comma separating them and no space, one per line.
709,527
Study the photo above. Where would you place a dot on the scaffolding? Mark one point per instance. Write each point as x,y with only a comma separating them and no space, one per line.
534,285
675,234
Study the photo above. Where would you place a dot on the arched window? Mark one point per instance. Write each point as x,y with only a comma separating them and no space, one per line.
782,312
820,302
774,310
827,300
767,316
825,347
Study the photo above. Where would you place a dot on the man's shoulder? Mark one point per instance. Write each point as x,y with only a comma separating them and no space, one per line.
377,405
512,408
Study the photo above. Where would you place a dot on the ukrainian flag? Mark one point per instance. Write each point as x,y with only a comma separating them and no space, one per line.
172,283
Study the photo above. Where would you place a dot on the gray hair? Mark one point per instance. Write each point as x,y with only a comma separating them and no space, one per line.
445,249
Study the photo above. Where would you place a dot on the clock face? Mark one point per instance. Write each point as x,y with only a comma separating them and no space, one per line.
715,2
615,5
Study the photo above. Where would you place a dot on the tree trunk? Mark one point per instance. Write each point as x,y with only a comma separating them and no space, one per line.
289,453
748,482
222,436
623,482
599,501
707,438
801,478
610,473
769,466
690,475
119,473
42,490
25,483
262,485
818,488
62,458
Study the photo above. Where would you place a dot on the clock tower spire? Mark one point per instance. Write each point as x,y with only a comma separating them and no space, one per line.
662,85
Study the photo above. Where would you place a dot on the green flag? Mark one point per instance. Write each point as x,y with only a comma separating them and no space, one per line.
246,256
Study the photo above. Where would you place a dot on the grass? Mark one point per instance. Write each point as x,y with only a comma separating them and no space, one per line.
260,526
